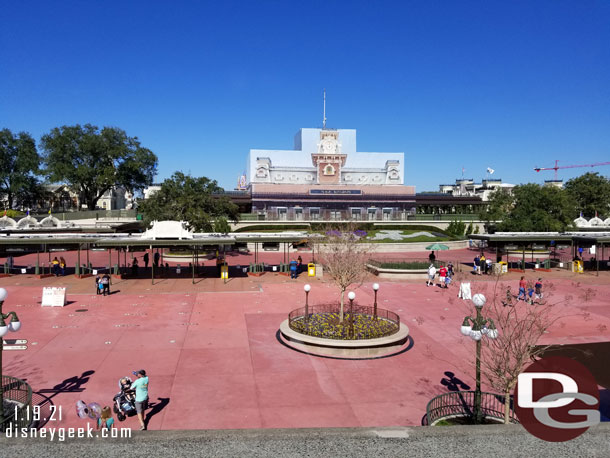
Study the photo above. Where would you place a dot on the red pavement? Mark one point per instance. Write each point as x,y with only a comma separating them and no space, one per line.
214,360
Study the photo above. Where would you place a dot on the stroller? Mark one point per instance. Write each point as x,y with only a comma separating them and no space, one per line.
124,403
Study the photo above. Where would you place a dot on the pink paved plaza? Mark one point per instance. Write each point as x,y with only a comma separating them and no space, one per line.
214,360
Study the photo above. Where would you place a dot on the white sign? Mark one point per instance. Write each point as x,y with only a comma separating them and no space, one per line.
15,347
23,271
94,272
15,341
53,297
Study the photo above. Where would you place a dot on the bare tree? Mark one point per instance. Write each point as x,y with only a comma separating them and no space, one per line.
344,256
520,327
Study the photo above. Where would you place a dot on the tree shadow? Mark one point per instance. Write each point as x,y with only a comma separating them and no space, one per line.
156,407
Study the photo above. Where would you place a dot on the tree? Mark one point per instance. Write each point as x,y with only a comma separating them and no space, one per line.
19,163
591,193
500,203
520,327
222,225
469,229
344,256
199,201
456,228
93,161
537,208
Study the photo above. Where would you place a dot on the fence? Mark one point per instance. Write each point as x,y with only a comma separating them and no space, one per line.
324,321
90,214
20,393
461,404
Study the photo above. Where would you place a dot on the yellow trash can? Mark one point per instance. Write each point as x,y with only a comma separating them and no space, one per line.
224,271
503,267
577,267
311,270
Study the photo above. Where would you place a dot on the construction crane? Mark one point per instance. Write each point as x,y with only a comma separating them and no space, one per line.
557,167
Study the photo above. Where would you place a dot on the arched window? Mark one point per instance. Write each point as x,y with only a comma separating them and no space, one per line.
329,170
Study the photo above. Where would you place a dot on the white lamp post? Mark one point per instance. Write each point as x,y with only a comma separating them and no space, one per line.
351,296
375,288
14,325
307,288
476,328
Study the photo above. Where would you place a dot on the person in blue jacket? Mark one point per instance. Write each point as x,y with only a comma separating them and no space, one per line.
293,269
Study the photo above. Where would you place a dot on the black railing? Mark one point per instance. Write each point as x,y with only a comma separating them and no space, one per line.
359,322
19,393
460,404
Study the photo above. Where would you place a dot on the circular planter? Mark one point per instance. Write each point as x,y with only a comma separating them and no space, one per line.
345,349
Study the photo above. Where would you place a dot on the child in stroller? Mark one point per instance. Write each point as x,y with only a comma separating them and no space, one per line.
124,402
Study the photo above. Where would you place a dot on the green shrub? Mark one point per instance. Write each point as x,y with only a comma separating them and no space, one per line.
456,228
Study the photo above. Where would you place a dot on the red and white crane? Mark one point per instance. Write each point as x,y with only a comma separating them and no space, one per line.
557,167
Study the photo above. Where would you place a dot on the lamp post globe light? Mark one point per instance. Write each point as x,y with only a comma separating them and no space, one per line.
14,325
307,288
375,288
476,328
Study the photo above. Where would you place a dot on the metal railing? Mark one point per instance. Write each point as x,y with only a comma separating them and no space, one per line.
20,393
89,214
358,323
461,404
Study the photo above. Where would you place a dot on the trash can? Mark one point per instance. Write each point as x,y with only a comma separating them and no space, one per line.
178,269
577,267
311,270
503,267
224,271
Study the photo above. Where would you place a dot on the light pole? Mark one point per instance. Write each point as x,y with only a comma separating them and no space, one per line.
351,296
13,326
375,288
476,328
307,288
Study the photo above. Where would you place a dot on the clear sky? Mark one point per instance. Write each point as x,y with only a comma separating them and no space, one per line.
503,84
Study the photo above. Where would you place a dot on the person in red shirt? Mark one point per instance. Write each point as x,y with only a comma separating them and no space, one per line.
442,274
522,287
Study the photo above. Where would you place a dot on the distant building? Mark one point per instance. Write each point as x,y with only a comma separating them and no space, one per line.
325,177
150,190
116,198
556,183
466,187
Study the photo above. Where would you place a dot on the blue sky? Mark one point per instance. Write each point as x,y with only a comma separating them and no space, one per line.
509,85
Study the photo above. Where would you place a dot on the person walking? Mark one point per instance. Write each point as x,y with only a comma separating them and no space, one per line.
432,257
522,288
62,266
140,385
293,269
299,264
55,264
476,264
145,258
482,264
538,289
442,276
106,284
134,267
98,285
431,275
156,259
